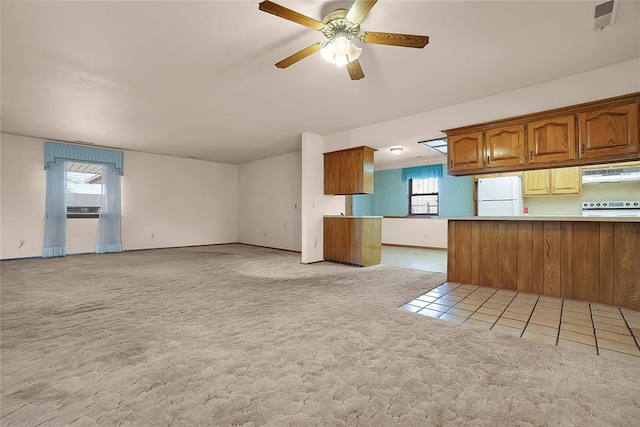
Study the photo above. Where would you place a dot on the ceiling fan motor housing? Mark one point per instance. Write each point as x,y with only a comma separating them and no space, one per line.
336,25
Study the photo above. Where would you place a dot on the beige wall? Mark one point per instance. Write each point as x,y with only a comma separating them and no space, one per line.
619,79
172,201
22,196
269,202
181,202
425,232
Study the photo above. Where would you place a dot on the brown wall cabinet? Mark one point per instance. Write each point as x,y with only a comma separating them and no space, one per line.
505,146
608,132
465,151
349,171
353,240
552,140
602,131
590,261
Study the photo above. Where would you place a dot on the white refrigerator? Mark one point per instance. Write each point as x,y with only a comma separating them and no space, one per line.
501,196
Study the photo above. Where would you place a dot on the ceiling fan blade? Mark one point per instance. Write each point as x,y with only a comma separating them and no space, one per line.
394,39
291,15
300,55
359,10
355,70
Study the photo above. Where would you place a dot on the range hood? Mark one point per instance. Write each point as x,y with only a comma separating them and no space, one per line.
611,175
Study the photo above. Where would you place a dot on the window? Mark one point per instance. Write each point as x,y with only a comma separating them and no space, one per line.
423,196
83,190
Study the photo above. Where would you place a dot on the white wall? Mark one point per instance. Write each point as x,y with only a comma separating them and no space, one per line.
171,201
619,79
23,196
314,203
269,202
81,235
182,202
423,232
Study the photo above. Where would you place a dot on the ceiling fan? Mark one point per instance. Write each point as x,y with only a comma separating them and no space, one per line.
340,27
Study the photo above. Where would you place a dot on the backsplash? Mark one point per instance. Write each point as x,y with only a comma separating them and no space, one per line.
611,191
572,205
554,205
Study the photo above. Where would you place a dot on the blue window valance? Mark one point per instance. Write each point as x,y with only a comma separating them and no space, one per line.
422,172
55,152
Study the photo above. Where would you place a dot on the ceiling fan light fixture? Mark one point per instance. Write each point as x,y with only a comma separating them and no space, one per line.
396,150
340,51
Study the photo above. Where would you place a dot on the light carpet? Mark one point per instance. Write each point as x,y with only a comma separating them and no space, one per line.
239,335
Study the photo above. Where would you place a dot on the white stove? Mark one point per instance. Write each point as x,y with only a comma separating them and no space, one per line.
612,208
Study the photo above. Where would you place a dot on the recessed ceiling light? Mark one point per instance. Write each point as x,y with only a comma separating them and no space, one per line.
396,150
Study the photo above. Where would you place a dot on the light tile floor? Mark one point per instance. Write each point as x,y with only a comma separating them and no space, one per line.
608,331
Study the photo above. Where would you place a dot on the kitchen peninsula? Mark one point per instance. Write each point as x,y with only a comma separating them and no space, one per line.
595,259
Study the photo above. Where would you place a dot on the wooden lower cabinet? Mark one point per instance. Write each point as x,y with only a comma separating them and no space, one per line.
593,261
353,240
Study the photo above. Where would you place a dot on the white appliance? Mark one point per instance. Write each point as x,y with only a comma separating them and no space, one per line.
501,196
613,208
611,175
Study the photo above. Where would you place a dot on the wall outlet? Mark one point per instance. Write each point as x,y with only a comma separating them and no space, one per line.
20,244
265,234
153,235
426,235
315,244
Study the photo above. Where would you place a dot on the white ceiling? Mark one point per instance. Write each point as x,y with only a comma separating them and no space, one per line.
197,79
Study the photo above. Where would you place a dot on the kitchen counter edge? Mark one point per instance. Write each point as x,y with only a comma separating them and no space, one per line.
351,216
545,218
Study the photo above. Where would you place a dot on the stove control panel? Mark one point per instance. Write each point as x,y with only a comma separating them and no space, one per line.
619,204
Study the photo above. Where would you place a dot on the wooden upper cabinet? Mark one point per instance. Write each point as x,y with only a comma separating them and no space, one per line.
505,146
608,132
566,181
536,183
545,182
604,131
465,151
349,171
552,139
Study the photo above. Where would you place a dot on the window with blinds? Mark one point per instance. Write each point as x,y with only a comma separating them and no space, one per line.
423,196
83,190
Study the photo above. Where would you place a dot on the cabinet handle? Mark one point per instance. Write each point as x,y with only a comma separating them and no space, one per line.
450,164
584,148
530,154
487,159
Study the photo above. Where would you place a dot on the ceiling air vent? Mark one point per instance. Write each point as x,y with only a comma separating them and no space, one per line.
604,14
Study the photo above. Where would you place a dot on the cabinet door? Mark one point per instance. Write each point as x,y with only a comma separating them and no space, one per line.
566,181
609,132
552,140
536,183
349,171
505,146
465,152
332,173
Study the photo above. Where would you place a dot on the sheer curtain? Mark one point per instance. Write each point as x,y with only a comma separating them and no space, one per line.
109,237
55,229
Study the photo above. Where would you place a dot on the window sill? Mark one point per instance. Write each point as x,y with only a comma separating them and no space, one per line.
76,216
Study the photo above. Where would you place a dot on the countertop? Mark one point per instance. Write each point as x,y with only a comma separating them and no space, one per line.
351,216
545,218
